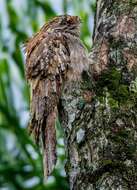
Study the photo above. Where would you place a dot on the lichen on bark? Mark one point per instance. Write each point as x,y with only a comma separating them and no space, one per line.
99,114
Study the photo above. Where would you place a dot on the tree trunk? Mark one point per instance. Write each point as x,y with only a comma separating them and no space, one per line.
99,114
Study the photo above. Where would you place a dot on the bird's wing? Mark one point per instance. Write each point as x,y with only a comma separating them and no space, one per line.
46,68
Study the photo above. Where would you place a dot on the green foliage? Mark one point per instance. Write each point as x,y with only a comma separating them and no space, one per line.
21,160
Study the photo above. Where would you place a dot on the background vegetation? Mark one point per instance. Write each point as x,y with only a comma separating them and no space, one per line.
20,159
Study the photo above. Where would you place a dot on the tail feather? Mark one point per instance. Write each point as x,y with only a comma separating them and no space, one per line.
44,103
49,148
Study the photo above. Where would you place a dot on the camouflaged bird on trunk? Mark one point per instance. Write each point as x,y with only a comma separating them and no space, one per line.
55,56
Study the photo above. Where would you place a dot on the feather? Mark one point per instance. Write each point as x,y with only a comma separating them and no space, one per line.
54,57
45,78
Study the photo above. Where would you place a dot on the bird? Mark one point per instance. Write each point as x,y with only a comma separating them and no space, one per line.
54,56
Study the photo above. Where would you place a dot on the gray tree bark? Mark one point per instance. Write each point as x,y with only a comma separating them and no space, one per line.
99,114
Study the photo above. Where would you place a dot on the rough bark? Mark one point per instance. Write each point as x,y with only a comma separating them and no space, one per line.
99,114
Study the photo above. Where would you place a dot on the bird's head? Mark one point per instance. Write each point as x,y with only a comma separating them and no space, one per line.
64,23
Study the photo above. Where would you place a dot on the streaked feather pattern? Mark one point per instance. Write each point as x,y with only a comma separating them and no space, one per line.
54,55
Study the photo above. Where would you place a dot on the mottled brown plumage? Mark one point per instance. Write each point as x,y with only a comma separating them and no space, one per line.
55,56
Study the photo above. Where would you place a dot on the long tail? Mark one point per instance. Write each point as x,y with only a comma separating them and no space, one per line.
49,148
43,118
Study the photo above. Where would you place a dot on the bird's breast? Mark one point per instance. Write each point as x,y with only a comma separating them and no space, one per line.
78,60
